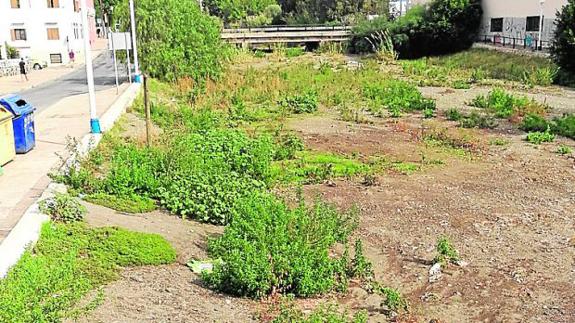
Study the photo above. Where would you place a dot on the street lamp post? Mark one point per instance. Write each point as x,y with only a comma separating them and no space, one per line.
137,76
541,3
94,121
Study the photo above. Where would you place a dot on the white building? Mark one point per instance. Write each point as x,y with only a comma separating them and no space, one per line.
520,20
46,30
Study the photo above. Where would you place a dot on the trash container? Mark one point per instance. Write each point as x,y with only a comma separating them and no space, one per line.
7,148
22,121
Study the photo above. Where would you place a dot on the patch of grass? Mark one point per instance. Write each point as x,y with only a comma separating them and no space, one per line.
453,115
287,146
476,120
289,313
534,122
428,113
405,168
538,137
498,141
305,103
461,142
564,150
131,204
68,261
294,52
315,167
268,248
446,252
564,126
63,208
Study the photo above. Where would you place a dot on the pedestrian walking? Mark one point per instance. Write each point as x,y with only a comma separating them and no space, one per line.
23,74
72,58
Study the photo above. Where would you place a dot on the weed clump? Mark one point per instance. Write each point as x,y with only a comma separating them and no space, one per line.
453,115
131,204
505,105
268,248
63,208
396,97
564,150
564,126
534,122
305,103
538,137
476,120
446,252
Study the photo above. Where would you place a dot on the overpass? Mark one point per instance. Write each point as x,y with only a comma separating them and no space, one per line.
286,34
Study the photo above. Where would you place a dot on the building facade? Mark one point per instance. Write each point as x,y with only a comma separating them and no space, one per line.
45,30
519,20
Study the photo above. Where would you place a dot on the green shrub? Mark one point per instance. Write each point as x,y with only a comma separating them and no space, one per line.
185,43
287,147
476,120
306,103
564,126
446,252
269,248
563,45
505,105
63,208
540,137
564,150
428,113
533,122
395,96
294,52
453,115
131,204
46,285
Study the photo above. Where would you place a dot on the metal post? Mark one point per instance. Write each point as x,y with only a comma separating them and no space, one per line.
541,3
94,121
148,114
134,45
128,57
115,65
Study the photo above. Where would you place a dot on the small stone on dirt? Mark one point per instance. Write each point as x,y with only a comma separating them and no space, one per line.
435,273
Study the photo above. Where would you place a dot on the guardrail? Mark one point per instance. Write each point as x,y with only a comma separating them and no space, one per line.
513,42
280,28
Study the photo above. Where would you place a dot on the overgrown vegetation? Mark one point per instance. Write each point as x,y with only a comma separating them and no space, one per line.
505,105
68,261
446,252
396,97
132,204
563,45
540,137
289,313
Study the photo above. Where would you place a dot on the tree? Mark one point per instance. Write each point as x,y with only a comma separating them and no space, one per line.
175,39
563,45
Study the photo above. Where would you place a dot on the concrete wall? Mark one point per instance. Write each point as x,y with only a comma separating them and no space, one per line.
35,18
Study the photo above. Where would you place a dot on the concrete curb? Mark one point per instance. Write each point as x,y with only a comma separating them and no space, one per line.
27,231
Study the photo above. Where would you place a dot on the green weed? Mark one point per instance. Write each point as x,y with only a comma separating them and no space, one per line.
505,105
476,120
331,313
395,96
534,122
564,150
129,204
538,137
453,115
564,126
63,208
306,103
446,252
268,248
498,142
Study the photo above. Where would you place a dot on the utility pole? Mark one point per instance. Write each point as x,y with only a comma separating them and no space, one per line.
137,76
94,121
541,3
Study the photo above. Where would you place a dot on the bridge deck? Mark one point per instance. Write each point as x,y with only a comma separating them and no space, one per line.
286,34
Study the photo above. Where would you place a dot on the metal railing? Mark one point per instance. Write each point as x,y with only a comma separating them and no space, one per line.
513,42
279,28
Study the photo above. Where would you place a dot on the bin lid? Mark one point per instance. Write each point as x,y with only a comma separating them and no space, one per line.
4,114
16,104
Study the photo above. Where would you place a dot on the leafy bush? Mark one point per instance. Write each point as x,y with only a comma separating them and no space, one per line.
453,115
395,95
47,284
63,208
428,113
533,122
182,44
563,46
444,26
564,126
287,147
306,103
131,204
540,137
268,248
564,150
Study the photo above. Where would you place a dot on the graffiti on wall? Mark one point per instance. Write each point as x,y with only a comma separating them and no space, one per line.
515,27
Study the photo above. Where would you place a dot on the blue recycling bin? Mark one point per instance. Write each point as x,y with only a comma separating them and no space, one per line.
22,122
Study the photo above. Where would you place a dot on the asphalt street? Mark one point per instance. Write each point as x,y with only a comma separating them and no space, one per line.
75,83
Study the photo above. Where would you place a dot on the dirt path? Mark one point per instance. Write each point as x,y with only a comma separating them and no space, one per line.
170,293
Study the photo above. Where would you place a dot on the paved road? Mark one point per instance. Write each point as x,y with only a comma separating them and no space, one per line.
75,83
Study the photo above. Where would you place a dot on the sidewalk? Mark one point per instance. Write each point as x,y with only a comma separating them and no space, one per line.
25,178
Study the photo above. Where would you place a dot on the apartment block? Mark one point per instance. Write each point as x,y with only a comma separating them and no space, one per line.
44,29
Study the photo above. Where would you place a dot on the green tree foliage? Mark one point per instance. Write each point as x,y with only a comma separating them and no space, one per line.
563,47
442,27
176,39
235,10
320,11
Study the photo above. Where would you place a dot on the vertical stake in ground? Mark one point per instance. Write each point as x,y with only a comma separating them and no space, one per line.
94,121
115,65
147,108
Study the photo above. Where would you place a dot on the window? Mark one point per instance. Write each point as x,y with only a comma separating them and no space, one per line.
18,34
496,25
15,4
56,58
532,24
53,3
53,33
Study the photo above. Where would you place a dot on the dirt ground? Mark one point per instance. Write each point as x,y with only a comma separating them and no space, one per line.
509,210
